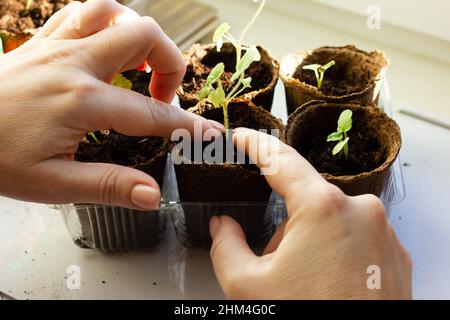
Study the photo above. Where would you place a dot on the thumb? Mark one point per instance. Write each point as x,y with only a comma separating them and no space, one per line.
231,256
100,183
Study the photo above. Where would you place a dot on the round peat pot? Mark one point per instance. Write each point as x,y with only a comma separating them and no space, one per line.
374,144
237,189
202,58
355,77
114,229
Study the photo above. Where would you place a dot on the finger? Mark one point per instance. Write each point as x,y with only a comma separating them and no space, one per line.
98,183
58,18
130,113
286,171
126,45
230,253
276,239
91,17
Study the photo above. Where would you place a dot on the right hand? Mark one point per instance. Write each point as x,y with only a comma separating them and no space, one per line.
324,248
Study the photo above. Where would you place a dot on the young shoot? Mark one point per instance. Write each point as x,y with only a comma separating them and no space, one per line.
28,4
319,71
92,135
344,125
213,90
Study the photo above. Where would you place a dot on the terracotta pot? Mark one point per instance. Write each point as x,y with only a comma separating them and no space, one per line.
356,76
317,119
202,58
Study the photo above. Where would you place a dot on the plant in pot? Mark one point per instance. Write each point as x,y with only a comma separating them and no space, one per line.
21,19
227,49
353,76
114,229
229,186
353,146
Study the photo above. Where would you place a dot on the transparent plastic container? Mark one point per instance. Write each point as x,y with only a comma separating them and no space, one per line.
114,229
259,220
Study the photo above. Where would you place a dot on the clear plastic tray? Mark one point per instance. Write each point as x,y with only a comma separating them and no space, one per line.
113,229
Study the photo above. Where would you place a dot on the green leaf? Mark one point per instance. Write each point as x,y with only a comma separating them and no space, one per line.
217,96
204,92
313,67
250,56
247,82
219,34
328,65
122,82
338,147
1,46
215,74
335,136
345,121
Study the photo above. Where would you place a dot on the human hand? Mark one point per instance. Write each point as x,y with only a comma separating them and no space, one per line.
55,88
325,247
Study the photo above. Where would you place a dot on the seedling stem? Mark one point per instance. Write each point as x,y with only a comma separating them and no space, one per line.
319,71
213,90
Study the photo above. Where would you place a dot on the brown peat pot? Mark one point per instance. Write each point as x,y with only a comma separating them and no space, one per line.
356,76
114,229
17,24
202,58
236,189
374,144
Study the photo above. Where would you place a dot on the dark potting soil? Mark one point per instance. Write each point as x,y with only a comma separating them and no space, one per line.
345,77
196,75
364,155
140,80
118,149
238,117
14,17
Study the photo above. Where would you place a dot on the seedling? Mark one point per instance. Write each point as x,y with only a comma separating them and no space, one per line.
319,71
213,90
344,125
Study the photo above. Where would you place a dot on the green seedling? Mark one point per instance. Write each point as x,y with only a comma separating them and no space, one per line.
28,4
121,82
213,90
319,71
92,135
344,125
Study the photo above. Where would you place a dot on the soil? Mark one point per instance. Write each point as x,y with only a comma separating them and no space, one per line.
347,76
119,149
196,74
140,80
365,151
364,155
15,18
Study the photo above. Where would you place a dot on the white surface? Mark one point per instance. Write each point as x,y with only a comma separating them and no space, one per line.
429,17
35,248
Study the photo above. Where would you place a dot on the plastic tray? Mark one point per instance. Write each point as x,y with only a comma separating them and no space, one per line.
113,229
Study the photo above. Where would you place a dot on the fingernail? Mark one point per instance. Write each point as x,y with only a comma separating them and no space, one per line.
216,125
214,225
145,197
